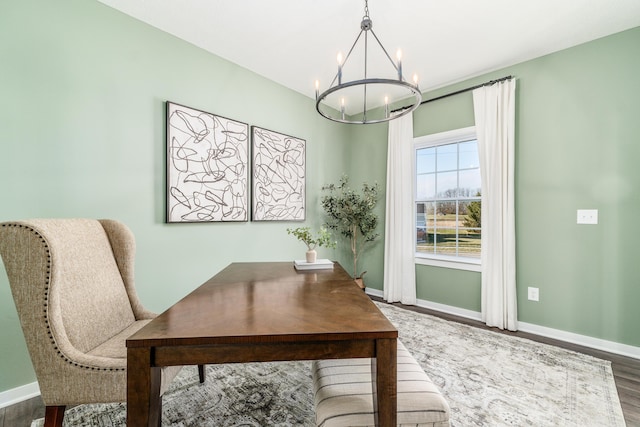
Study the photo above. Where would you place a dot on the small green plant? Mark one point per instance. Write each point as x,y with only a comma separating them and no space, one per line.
351,214
304,234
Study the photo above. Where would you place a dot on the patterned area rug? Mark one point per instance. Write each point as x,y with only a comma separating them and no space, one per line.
489,379
492,379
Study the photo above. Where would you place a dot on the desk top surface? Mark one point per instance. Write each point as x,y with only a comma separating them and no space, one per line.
268,303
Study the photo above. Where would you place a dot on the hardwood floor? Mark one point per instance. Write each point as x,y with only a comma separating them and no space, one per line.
626,372
21,414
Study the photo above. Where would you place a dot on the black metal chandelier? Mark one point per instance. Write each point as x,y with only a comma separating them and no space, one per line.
366,100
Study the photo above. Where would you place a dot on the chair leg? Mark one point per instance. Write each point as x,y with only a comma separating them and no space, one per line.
53,416
201,373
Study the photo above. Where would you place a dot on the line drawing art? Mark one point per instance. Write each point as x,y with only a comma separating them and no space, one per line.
207,166
279,172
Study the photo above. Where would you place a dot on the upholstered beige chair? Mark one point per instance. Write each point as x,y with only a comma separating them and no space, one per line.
72,281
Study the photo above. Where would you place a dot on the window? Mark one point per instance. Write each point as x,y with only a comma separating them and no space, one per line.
447,199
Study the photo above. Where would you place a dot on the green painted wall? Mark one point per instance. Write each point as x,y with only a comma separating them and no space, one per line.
83,91
368,163
577,147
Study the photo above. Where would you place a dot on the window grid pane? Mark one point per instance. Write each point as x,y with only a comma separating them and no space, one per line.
448,207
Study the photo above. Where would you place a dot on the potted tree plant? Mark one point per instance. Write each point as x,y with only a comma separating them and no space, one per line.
304,234
351,214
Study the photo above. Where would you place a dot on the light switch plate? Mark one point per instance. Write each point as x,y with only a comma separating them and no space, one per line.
587,216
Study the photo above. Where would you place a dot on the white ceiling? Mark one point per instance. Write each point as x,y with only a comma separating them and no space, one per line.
295,42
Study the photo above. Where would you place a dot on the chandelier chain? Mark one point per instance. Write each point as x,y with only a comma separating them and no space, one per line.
366,8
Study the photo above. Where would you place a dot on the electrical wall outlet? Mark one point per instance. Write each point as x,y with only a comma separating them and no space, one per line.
587,216
534,294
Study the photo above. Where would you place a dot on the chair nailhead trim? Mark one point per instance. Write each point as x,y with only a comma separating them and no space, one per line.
46,305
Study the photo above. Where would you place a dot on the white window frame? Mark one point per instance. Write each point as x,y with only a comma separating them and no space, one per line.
449,137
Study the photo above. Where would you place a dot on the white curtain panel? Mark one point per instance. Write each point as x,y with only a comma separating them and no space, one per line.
494,110
399,268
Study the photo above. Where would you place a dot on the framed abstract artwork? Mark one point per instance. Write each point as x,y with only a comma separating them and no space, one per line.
279,172
207,167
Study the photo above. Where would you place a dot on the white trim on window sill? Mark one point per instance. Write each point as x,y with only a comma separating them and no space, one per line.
449,262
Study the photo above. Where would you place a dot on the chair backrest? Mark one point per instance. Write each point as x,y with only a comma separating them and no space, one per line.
67,284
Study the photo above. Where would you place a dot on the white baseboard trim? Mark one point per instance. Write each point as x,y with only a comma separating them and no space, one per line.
374,292
595,343
591,342
19,394
462,312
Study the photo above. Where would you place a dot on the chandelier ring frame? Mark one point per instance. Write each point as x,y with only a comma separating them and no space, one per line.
415,92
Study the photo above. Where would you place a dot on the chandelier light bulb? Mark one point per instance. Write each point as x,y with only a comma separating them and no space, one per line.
415,80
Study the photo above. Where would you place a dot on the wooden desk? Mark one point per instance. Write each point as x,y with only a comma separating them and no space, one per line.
262,312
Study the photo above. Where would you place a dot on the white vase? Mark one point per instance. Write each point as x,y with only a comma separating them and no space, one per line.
311,255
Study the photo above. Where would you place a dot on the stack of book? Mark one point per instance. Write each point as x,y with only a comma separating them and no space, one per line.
320,264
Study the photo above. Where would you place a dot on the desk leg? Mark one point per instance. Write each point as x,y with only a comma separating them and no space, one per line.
144,404
384,369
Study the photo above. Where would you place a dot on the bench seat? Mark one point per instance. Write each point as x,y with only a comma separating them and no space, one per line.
343,393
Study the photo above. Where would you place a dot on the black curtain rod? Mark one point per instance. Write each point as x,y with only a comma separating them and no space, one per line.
446,95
